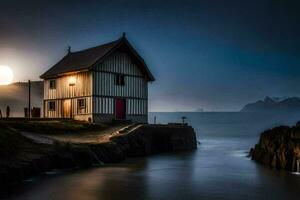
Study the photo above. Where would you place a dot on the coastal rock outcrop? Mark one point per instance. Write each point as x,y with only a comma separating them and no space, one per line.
33,159
279,148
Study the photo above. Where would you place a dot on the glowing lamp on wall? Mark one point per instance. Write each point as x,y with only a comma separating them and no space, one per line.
72,81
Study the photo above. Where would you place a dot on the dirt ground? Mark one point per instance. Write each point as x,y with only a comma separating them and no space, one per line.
90,137
68,131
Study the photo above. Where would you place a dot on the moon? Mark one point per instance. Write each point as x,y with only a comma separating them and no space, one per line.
6,75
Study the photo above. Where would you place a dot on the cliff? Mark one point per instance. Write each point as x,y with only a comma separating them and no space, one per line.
279,148
274,105
27,158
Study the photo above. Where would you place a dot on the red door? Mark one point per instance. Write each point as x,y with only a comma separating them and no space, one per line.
120,108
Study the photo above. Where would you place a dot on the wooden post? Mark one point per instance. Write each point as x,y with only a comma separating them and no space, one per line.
29,99
44,107
71,93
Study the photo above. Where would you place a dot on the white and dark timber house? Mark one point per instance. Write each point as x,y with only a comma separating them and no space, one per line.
99,84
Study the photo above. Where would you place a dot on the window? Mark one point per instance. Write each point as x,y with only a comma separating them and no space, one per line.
52,105
52,84
120,79
81,103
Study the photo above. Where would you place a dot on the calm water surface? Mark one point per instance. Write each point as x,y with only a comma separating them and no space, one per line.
219,169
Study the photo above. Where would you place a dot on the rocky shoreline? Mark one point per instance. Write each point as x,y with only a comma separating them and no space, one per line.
279,148
146,140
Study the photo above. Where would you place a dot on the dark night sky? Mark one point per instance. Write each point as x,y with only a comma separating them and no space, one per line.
216,55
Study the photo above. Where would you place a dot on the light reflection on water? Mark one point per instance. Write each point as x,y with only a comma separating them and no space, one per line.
219,169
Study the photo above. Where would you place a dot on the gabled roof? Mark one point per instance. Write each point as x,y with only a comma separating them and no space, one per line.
86,59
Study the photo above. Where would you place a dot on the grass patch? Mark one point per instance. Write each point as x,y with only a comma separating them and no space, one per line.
55,127
14,146
10,141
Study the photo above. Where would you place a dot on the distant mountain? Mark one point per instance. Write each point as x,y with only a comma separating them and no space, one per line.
199,110
16,96
273,105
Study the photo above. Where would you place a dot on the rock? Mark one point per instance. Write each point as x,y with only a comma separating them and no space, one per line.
278,148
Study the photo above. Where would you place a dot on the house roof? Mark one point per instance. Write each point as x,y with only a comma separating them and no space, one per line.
86,59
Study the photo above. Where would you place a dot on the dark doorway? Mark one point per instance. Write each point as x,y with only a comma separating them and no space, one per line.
120,108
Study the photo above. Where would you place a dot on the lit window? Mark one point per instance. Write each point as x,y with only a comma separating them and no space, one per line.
52,84
81,103
52,105
120,80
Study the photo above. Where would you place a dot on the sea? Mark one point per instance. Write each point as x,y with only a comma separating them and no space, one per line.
218,169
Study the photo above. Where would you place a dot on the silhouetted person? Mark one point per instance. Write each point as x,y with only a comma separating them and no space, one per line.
7,111
0,114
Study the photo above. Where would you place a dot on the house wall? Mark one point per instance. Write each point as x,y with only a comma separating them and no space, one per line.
99,89
63,91
105,90
77,113
82,87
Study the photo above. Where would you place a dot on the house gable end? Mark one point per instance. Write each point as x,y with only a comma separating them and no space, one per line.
119,62
133,57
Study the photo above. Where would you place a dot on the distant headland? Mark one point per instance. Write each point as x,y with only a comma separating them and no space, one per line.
275,104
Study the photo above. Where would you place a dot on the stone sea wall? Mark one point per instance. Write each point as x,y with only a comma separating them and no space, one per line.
152,139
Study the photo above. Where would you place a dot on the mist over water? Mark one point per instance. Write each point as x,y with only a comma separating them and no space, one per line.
219,169
16,95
